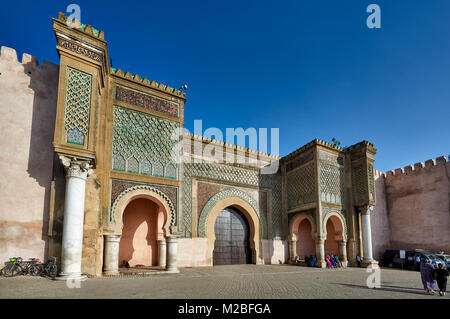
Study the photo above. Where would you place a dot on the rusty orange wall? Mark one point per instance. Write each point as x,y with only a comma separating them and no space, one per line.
419,207
28,95
305,242
139,234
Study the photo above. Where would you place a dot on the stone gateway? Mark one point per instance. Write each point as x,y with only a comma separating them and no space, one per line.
90,150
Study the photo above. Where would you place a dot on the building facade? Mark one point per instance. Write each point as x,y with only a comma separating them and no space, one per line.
108,176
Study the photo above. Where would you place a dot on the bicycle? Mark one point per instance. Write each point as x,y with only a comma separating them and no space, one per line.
48,269
17,266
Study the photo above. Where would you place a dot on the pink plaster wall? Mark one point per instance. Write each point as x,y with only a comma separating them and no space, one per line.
192,252
139,234
274,251
379,219
28,97
418,206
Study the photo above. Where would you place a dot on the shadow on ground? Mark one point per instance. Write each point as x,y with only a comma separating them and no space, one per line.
398,289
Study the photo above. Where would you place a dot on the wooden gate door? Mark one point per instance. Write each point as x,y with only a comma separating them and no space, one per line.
232,238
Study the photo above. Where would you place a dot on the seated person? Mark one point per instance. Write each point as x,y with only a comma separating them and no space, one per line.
329,264
313,261
333,261
306,260
338,262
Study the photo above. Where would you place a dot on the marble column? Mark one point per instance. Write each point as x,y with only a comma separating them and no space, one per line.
111,255
77,172
162,252
172,252
292,249
343,252
320,252
367,235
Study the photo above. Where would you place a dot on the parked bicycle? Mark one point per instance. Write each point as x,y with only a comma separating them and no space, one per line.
16,266
48,269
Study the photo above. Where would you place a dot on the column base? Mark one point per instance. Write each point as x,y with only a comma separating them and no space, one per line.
72,276
321,264
172,271
369,263
111,273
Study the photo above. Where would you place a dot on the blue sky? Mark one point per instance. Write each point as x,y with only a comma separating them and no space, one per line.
311,68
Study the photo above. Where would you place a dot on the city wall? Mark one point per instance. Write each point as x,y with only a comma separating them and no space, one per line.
28,94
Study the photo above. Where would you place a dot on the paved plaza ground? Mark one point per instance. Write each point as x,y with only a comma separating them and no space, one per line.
237,281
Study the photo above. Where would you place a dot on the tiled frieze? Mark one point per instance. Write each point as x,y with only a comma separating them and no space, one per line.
143,144
229,175
301,186
77,106
75,47
359,183
332,182
147,101
370,174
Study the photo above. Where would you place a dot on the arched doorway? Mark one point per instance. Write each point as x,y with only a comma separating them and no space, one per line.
305,242
302,230
143,222
331,244
232,233
335,242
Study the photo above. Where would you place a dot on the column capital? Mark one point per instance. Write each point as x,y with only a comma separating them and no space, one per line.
171,239
320,240
75,167
112,237
366,210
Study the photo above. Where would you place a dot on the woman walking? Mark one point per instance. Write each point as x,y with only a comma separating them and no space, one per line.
441,275
426,272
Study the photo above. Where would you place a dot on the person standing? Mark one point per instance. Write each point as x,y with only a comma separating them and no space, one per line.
441,275
428,280
358,261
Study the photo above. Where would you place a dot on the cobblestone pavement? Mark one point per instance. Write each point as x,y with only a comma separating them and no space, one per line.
237,281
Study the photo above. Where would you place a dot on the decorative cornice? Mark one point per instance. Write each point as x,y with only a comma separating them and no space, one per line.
144,81
208,140
311,144
85,28
79,49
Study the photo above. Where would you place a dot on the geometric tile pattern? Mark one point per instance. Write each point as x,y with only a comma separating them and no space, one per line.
232,174
332,183
301,186
359,183
144,141
371,182
234,192
77,107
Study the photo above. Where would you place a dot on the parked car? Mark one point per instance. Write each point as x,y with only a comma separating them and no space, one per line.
409,259
417,256
391,258
445,258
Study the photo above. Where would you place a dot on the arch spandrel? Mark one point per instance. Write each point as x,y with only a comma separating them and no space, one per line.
295,222
141,191
339,223
226,194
